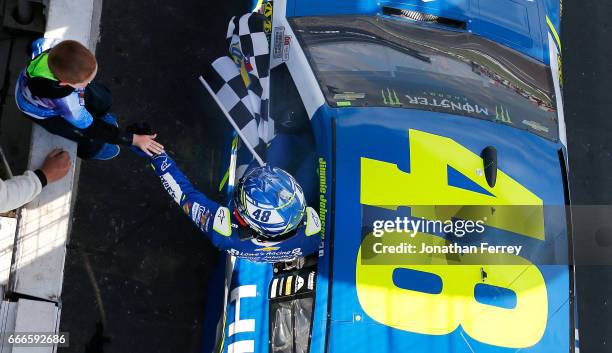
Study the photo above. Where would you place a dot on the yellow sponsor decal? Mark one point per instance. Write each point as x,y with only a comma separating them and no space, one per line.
554,32
288,285
322,195
267,12
268,6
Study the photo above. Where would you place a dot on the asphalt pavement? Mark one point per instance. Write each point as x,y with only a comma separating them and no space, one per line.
587,35
137,269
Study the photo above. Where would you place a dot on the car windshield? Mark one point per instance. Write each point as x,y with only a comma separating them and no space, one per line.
378,61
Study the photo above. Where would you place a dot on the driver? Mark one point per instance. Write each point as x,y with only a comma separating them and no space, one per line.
267,220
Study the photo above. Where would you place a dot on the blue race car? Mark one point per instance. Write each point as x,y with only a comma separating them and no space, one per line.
447,110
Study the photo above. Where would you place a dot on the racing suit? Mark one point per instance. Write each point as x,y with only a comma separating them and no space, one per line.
225,230
63,110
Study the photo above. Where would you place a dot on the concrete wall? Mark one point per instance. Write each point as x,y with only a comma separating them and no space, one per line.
44,223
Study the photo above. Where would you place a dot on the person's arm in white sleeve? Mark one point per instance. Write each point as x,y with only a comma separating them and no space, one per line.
21,189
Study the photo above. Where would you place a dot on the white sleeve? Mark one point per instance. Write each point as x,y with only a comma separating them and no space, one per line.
18,191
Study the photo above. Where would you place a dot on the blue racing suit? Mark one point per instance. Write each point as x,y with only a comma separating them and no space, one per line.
221,226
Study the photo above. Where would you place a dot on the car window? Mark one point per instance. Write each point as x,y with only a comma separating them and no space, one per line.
291,322
291,296
374,61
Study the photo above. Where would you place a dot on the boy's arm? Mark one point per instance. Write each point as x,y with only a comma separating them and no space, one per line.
98,130
71,109
200,209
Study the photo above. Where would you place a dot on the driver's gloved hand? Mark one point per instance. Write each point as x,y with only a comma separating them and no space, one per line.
140,128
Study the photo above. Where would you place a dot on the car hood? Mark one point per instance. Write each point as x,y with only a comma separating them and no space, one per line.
388,147
384,134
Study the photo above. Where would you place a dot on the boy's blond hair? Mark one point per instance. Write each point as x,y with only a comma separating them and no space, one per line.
71,62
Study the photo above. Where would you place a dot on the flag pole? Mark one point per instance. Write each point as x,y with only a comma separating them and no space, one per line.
232,122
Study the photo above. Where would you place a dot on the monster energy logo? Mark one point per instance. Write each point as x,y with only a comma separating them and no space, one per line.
501,114
448,104
390,97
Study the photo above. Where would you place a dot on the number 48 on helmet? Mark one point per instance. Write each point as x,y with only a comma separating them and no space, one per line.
270,201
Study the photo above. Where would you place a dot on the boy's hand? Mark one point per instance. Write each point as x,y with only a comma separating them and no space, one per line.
56,165
148,144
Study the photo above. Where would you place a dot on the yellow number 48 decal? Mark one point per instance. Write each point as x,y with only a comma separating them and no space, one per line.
383,184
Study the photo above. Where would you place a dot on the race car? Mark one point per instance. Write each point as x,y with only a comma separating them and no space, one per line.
431,110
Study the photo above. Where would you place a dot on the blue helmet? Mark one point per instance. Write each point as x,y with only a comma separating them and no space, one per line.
270,201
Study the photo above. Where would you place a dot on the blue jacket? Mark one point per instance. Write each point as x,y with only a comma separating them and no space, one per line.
71,107
41,96
221,227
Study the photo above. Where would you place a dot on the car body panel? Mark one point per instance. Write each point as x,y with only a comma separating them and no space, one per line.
241,289
345,136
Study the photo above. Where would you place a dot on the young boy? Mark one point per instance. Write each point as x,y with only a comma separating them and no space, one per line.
55,92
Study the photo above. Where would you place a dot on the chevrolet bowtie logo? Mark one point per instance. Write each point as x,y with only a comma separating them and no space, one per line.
269,248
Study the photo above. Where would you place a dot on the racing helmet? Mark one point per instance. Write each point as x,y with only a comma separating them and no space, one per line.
270,201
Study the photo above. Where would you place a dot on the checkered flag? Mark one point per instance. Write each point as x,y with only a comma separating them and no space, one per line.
241,80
